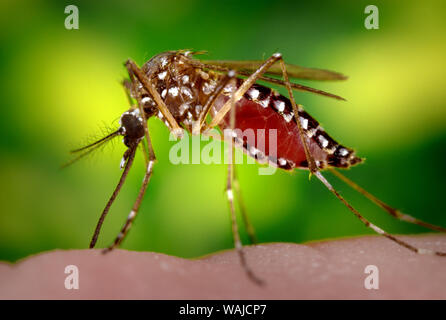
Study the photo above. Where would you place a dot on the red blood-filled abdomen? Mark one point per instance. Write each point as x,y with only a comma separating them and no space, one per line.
261,110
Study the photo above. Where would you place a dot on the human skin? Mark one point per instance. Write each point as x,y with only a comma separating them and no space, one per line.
318,270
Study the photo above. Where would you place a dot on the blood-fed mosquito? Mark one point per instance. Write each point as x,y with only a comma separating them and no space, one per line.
196,96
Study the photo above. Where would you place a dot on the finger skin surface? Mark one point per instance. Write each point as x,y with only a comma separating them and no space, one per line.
317,270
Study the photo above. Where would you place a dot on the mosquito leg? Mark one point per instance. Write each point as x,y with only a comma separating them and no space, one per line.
392,211
127,88
235,233
230,194
374,227
248,225
243,88
311,163
147,83
150,159
132,215
131,157
232,178
149,153
145,151
200,123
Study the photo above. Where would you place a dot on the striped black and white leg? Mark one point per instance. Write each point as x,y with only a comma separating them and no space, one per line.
230,195
132,215
238,194
390,210
150,159
374,227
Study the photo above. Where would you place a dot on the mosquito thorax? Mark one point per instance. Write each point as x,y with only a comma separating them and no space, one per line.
131,127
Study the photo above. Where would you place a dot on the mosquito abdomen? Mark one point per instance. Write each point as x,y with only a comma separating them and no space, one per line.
262,108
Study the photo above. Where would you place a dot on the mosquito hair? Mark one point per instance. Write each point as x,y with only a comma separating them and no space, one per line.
106,128
102,132
93,143
111,127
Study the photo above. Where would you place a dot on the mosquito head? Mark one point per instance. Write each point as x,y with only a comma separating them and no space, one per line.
131,127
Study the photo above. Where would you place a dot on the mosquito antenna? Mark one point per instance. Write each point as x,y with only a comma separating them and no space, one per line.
131,156
90,148
106,138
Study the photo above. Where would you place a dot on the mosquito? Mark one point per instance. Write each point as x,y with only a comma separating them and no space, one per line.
199,95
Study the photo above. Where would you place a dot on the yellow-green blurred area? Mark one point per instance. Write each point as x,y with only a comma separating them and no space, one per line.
60,87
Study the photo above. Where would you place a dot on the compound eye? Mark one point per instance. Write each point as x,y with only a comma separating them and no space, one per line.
133,128
126,141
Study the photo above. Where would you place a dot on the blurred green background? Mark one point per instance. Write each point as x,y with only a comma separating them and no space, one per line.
59,86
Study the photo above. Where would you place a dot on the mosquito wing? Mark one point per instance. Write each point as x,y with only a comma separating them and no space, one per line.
246,68
294,71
